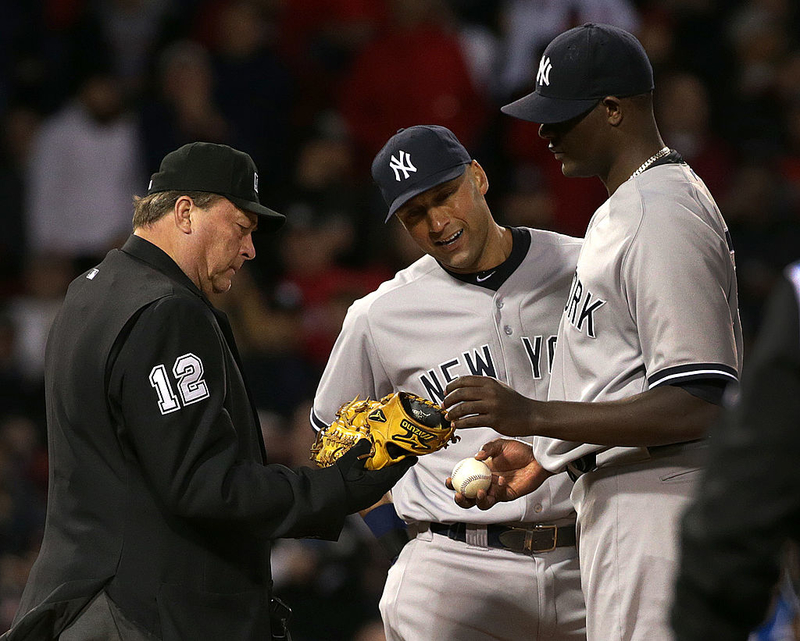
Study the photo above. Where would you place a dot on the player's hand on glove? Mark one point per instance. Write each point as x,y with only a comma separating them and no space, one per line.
515,473
365,487
482,401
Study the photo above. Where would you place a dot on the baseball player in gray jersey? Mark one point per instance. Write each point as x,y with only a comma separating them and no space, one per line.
485,300
650,335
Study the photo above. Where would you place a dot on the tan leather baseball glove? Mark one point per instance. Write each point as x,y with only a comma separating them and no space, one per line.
398,425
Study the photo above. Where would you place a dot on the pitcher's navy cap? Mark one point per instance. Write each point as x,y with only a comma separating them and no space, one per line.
416,159
218,169
579,68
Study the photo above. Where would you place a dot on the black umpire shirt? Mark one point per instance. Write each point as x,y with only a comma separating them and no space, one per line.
159,492
748,503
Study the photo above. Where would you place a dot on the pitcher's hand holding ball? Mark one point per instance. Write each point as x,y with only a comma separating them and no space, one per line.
469,476
514,473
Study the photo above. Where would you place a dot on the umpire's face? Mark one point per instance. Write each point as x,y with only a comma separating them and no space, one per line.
452,222
222,243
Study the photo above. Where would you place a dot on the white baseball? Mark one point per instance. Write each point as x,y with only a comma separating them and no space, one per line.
470,475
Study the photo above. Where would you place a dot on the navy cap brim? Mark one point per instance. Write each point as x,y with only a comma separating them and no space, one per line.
268,220
424,185
538,108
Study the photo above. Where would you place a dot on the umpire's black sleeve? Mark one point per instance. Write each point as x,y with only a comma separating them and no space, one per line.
188,419
749,500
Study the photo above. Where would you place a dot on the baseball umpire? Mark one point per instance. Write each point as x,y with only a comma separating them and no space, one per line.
649,336
485,299
161,506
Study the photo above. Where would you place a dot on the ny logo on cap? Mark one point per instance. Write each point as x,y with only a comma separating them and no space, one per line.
543,75
404,165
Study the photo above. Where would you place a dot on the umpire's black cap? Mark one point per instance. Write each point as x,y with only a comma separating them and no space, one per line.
218,169
579,68
416,159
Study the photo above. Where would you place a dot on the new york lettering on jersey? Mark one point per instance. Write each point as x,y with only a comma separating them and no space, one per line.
581,307
480,363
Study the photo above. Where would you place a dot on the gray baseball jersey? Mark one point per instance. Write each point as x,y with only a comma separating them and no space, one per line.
653,300
422,329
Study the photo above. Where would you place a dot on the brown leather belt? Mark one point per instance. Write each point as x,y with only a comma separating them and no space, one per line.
535,538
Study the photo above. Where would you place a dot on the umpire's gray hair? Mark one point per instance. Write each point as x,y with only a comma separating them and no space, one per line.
148,209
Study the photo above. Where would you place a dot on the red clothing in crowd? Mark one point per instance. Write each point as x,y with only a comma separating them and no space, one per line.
410,77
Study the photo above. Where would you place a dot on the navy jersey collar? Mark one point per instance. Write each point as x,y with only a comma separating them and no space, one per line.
673,157
493,278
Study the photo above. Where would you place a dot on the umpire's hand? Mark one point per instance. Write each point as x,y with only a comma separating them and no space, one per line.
365,487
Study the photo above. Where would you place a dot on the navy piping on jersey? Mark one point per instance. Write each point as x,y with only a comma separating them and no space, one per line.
729,240
493,278
316,422
695,371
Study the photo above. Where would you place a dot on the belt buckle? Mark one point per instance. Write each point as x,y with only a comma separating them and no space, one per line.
528,539
529,534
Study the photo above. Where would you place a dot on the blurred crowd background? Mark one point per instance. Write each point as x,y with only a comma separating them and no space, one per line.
93,93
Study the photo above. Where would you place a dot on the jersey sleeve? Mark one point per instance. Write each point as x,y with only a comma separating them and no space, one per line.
169,386
353,369
678,279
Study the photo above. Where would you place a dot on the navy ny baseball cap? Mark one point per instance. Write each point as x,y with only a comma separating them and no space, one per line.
218,169
416,159
579,68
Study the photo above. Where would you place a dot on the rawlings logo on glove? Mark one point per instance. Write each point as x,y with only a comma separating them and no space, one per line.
399,425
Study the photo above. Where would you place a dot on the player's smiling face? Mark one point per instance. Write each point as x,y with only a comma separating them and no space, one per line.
451,222
224,243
